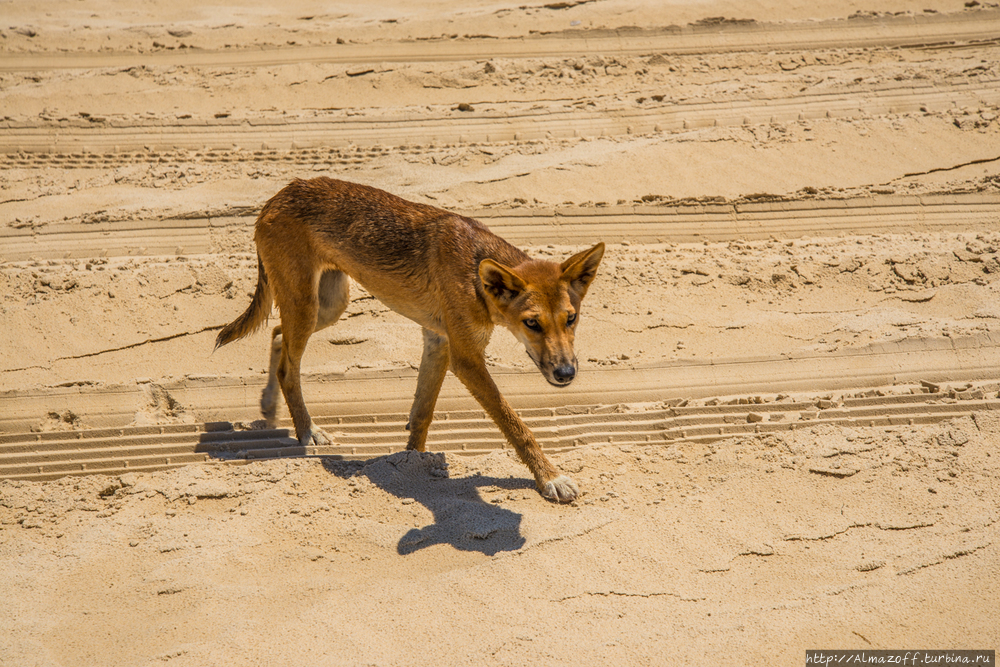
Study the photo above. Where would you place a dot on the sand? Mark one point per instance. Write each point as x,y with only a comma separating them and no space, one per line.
785,424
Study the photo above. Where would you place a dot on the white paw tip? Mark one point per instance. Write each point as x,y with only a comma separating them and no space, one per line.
561,489
316,438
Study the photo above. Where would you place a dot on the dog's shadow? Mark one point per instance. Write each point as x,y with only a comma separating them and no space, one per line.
463,519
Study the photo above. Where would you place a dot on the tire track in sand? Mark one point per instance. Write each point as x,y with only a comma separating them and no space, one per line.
127,449
198,234
92,143
970,27
342,405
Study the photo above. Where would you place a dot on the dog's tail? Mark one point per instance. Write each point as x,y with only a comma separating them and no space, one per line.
255,315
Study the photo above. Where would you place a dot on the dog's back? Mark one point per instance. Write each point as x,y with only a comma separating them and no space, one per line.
357,226
404,253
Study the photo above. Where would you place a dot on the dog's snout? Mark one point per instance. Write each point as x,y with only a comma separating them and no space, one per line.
564,374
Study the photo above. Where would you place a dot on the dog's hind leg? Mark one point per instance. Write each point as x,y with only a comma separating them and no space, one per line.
297,292
269,397
298,321
334,297
433,367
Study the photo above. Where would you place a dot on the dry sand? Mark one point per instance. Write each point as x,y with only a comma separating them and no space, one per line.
785,424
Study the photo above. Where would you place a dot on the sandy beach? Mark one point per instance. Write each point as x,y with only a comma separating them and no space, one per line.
785,424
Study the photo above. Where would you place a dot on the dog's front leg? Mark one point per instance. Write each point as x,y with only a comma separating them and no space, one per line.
433,367
551,483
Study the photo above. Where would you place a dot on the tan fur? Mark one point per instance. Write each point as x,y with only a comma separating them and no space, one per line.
448,273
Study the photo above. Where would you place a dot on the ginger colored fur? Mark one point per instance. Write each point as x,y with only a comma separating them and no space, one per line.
446,272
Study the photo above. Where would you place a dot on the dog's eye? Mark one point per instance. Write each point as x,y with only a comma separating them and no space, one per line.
570,319
533,324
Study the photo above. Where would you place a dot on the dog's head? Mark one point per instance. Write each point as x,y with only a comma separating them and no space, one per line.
539,301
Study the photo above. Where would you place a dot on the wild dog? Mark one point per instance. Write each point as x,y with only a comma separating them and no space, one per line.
448,273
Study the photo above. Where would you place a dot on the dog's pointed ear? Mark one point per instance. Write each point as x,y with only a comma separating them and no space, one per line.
500,282
580,269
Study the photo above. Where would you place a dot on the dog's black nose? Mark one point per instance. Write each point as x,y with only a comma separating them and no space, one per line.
564,374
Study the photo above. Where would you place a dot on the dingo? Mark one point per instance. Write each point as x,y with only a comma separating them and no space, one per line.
447,273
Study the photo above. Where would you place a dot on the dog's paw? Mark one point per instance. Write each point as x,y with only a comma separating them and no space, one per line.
562,489
317,438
